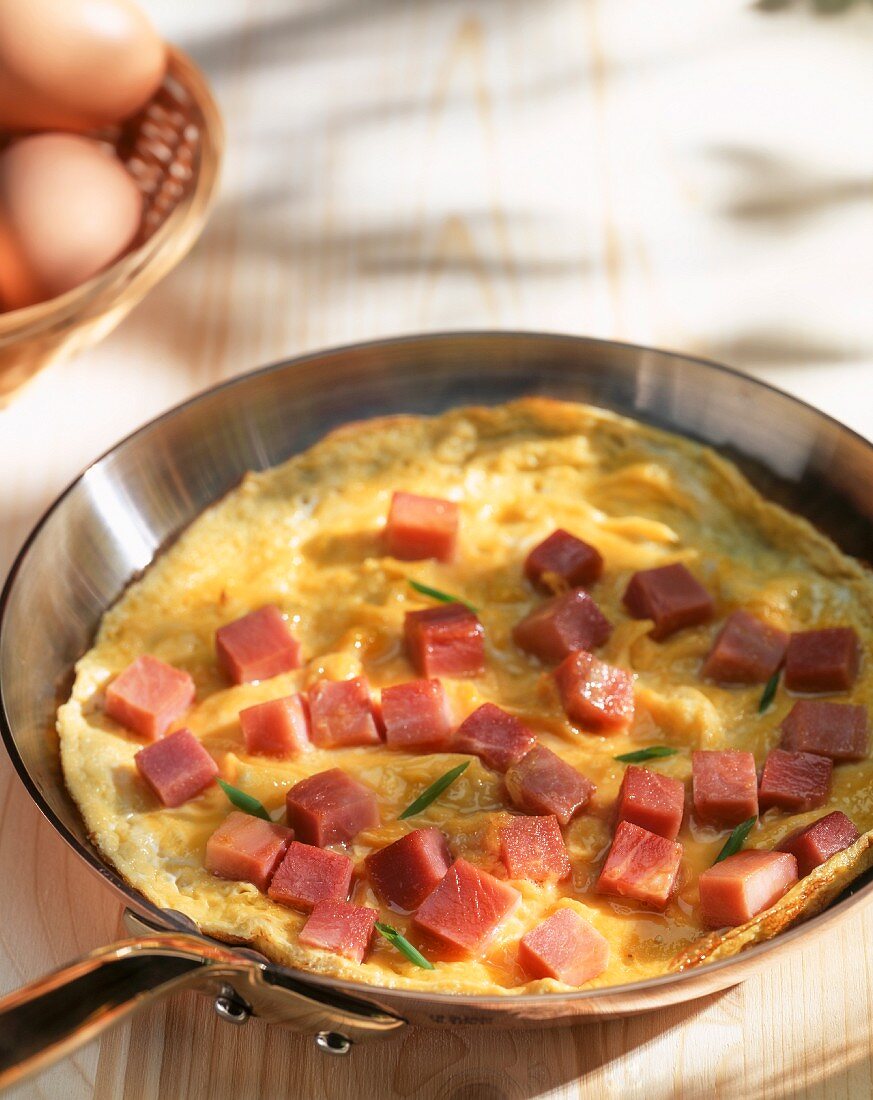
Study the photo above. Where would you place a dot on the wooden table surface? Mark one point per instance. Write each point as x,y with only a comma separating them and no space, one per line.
693,175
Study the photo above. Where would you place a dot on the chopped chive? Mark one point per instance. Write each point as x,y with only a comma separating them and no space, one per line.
769,692
398,940
736,840
651,753
436,594
433,791
243,801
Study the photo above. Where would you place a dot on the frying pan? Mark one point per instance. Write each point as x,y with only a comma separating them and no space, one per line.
113,520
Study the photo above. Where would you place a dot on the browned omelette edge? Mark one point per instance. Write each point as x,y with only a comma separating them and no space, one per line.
808,897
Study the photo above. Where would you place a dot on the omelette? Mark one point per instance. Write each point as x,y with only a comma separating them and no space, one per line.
309,539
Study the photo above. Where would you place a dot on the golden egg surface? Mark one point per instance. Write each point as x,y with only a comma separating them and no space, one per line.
307,536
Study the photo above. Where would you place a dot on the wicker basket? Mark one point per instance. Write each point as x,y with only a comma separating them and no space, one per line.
173,150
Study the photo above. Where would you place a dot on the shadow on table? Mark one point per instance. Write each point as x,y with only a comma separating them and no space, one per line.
462,242
292,32
235,294
767,192
774,191
198,1058
818,7
768,348
235,301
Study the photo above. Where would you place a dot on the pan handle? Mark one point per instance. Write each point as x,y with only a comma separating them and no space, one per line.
54,1015
47,1019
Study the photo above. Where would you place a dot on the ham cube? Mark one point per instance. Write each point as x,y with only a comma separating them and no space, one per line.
417,716
670,596
795,781
725,787
837,730
341,928
595,695
499,739
653,801
257,646
562,561
247,849
445,641
542,783
640,865
565,947
421,527
533,848
148,696
330,808
822,660
815,844
746,651
744,885
177,767
405,872
308,875
466,909
278,727
562,625
341,714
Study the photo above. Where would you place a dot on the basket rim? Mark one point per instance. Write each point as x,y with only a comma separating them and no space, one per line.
181,227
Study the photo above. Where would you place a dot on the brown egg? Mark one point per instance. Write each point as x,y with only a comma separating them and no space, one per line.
75,64
68,208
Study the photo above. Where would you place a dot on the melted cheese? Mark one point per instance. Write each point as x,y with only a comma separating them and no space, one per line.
306,536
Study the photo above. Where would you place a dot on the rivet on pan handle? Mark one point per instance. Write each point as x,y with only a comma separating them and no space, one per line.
58,1013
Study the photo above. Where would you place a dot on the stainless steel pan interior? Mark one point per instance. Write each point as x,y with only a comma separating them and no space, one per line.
112,520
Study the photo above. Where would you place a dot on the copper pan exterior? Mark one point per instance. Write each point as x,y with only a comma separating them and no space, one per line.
115,517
